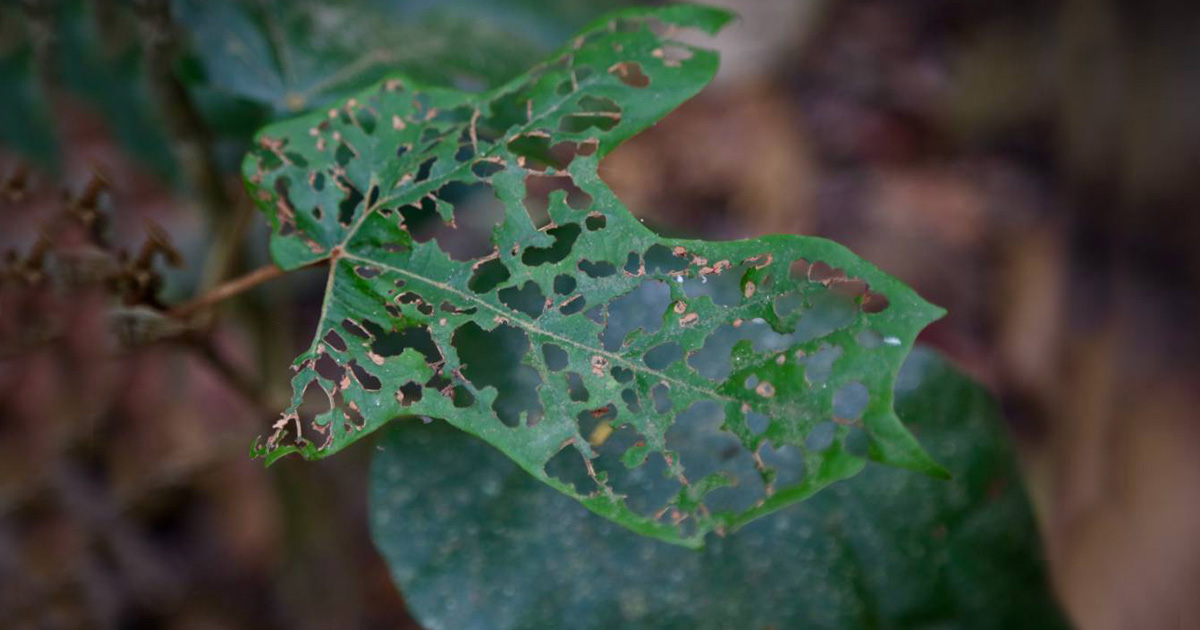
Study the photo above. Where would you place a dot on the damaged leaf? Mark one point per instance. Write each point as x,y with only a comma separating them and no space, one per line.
482,273
887,549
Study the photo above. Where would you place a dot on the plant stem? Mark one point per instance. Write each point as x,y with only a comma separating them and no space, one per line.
226,290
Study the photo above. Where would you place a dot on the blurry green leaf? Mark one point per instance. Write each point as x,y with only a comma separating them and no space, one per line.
584,349
24,123
296,55
473,542
97,63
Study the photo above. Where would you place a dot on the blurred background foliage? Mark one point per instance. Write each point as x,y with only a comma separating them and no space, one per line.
1026,165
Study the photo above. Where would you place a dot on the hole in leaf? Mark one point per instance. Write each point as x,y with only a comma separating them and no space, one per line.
574,305
869,339
563,284
659,259
392,343
465,150
850,400
601,113
366,379
630,398
475,214
595,222
798,270
487,276
462,397
535,148
821,437
296,159
564,239
633,264
354,420
622,374
314,403
696,435
601,269
874,302
493,358
642,308
851,288
568,467
827,312
484,169
349,204
575,388
438,382
556,358
335,341
673,56
366,120
354,329
367,272
596,313
591,419
724,289
819,365
281,187
424,170
447,307
409,393
662,355
757,422
820,271
630,73
329,369
410,297
786,463
268,160
343,155
661,395
539,155
528,299
713,359
543,192
788,303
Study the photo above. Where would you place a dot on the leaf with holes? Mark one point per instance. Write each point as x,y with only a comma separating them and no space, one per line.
887,549
481,272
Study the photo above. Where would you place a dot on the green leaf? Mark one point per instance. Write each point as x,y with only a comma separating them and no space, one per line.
99,67
589,335
473,542
296,54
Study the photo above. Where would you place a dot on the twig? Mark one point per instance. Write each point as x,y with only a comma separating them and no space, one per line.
227,290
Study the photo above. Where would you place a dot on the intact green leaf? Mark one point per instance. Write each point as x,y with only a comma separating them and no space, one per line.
481,272
473,542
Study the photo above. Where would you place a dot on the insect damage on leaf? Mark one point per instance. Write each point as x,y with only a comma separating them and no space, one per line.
481,272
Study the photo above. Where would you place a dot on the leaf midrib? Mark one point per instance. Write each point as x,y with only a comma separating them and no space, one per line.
531,327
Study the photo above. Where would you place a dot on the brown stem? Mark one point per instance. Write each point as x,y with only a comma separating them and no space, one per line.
224,291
